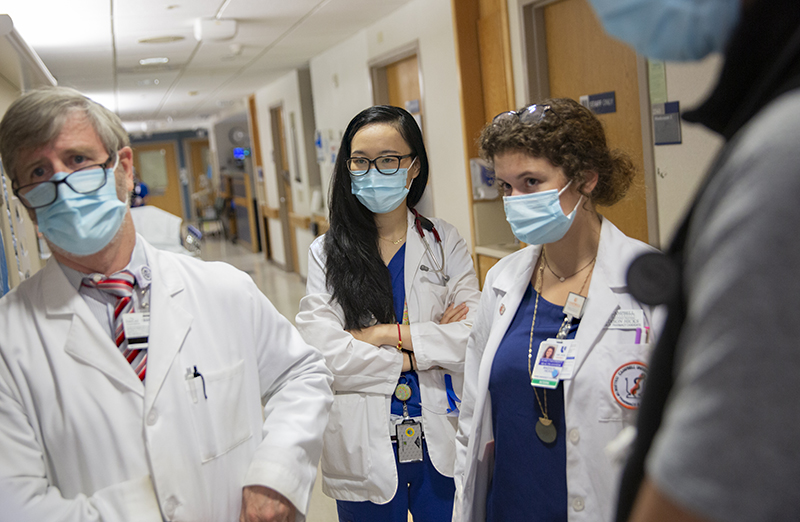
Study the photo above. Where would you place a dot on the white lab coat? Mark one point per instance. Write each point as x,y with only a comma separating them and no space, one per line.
82,439
358,461
593,416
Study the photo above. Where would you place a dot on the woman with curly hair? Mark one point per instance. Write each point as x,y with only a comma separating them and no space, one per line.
533,429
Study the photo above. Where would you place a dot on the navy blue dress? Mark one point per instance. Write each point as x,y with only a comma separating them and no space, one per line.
529,481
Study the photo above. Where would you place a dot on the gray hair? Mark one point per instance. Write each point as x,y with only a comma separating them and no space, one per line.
37,117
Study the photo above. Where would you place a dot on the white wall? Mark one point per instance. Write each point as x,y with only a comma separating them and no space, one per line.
517,52
286,92
429,23
224,146
680,168
341,88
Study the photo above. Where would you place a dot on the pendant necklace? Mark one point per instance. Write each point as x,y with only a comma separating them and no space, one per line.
392,241
564,278
545,429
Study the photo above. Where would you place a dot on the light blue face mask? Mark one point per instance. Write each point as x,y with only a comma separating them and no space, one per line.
670,29
381,193
81,224
537,218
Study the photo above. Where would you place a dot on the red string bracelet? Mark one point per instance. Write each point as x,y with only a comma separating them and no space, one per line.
399,338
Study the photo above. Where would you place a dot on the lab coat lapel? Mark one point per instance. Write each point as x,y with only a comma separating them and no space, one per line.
169,322
509,288
415,250
84,338
601,305
602,302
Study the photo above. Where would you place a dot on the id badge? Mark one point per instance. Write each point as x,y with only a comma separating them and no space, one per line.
137,330
409,441
569,347
550,360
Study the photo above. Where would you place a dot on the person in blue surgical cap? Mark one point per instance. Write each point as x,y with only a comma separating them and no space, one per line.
717,424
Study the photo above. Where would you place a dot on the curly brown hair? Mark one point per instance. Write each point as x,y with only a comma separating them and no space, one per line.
570,137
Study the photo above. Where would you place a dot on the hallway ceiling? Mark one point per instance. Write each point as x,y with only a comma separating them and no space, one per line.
95,46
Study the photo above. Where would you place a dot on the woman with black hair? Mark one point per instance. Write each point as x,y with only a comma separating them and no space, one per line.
390,300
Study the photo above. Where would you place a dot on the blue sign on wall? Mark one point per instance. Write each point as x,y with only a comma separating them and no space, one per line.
3,268
603,103
667,123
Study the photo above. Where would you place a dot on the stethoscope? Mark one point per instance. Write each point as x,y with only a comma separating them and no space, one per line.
421,223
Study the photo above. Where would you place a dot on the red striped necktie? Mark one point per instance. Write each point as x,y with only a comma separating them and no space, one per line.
120,285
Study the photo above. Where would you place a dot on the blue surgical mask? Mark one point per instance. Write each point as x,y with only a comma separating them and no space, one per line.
381,193
537,218
671,29
82,224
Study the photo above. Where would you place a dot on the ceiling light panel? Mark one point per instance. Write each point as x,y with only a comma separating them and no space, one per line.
154,61
64,25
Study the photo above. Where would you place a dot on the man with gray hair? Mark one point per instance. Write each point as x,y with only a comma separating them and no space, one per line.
132,379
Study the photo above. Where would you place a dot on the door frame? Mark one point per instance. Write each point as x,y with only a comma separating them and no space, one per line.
280,155
175,144
379,85
188,145
537,86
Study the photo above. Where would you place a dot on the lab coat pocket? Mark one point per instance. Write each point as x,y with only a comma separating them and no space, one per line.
345,451
623,374
219,411
431,301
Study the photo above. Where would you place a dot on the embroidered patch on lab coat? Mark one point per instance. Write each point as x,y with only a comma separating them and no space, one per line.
627,384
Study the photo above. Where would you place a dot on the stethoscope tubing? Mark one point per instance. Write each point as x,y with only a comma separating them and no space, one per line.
437,268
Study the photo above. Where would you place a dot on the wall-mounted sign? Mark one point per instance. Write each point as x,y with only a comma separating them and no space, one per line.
667,123
484,185
603,103
3,268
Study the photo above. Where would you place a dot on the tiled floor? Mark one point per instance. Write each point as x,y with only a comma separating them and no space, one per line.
284,289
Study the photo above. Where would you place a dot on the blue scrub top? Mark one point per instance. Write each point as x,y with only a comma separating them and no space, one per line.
529,482
397,273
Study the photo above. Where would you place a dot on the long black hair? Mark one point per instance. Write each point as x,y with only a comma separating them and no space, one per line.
355,272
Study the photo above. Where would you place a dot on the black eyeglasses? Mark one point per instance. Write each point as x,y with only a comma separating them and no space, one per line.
387,165
530,115
84,180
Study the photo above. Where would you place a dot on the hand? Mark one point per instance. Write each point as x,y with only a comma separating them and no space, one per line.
260,504
453,314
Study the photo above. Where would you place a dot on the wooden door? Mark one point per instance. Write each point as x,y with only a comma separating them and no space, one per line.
582,60
497,77
199,153
284,187
483,58
157,166
203,193
402,79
